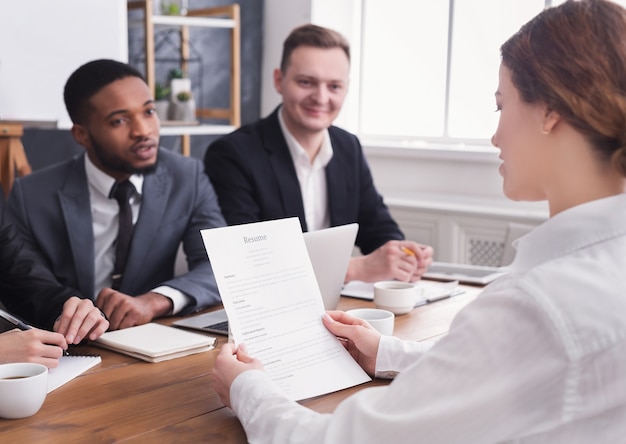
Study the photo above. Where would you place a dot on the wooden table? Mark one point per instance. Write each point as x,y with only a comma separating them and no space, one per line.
123,399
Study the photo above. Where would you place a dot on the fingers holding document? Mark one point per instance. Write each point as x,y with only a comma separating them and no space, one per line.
361,338
230,363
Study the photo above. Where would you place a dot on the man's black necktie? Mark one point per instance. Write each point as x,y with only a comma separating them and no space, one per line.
122,192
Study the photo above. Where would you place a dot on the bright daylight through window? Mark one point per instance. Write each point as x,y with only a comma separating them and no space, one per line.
429,69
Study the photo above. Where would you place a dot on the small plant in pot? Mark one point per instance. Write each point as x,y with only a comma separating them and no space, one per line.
179,81
161,102
183,96
160,91
170,8
174,7
176,73
183,107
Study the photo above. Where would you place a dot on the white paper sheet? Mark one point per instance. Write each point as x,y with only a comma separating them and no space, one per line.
69,368
274,306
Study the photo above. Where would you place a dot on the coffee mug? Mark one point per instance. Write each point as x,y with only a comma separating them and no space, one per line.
23,389
381,320
396,296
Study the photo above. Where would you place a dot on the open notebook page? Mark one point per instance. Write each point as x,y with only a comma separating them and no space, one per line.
69,368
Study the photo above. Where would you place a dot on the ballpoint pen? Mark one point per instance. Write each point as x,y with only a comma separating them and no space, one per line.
15,321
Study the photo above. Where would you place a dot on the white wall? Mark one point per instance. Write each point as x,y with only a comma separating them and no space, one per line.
449,198
42,42
279,18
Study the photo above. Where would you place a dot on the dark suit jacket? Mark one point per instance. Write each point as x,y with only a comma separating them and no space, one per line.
35,299
52,211
255,180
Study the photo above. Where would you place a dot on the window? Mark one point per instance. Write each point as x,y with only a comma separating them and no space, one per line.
429,69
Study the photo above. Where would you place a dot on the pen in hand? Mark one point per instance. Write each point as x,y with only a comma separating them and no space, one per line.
408,251
21,325
15,321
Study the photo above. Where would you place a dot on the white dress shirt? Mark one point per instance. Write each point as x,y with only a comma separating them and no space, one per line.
538,357
104,216
311,176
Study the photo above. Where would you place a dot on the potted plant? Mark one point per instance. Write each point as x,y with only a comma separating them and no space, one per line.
174,7
178,81
177,73
183,107
170,8
183,96
161,102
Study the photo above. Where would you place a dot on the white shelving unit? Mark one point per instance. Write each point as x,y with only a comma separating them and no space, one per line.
175,20
195,130
217,17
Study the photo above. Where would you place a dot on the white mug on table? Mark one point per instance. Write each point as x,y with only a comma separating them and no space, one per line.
396,296
381,320
23,389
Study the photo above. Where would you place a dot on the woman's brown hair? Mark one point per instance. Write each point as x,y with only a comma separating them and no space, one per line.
572,58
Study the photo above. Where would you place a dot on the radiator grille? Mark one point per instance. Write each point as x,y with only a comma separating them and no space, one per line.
485,252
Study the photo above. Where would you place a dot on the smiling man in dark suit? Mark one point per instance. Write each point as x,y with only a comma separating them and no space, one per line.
295,163
69,220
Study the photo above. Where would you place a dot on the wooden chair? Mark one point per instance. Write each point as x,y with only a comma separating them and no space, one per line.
12,156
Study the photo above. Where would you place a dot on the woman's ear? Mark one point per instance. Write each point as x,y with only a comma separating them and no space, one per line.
550,119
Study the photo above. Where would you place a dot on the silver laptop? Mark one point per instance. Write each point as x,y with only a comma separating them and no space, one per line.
329,250
465,274
212,322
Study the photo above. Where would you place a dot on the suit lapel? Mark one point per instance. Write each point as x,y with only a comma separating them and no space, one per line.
284,171
78,222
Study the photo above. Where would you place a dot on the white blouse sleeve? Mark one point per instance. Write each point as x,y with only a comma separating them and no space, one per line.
480,383
269,417
395,355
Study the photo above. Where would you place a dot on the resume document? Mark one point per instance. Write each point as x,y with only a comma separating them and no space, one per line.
274,306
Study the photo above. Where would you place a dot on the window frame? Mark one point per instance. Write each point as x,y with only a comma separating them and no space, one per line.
480,146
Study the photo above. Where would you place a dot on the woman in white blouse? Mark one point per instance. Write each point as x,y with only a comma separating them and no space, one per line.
540,355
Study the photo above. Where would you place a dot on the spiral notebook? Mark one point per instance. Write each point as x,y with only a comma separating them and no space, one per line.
69,368
154,342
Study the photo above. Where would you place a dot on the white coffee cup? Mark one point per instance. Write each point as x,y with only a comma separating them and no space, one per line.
381,320
23,389
396,296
